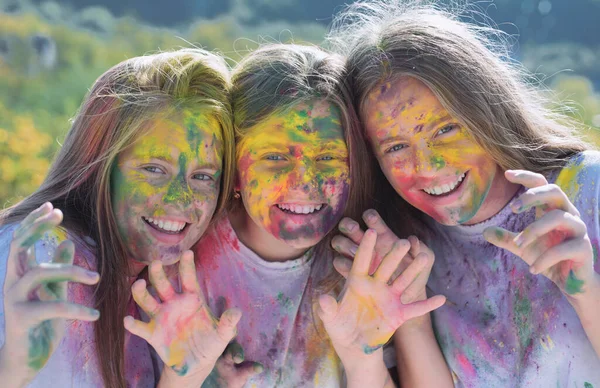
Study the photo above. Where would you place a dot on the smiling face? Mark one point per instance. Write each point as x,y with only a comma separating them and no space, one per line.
165,187
293,173
427,155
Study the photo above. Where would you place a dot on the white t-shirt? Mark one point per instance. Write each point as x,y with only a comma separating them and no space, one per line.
278,327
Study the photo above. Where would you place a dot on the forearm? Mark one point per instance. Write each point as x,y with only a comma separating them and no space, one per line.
418,354
588,309
369,371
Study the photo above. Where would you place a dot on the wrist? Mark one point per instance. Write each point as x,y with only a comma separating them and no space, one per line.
171,378
589,298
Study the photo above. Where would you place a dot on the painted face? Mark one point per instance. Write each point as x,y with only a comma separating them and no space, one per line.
425,153
293,173
165,187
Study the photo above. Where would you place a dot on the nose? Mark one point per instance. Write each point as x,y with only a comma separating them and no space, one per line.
425,162
179,192
305,175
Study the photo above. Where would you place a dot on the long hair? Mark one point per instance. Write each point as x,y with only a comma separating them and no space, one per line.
113,115
275,77
469,69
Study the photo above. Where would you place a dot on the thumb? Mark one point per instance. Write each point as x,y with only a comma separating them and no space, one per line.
328,308
227,327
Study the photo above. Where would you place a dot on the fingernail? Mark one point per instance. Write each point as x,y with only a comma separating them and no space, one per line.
517,206
258,368
370,216
95,313
92,274
519,240
353,249
351,226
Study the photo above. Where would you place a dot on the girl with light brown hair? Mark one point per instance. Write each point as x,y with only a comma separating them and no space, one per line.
499,185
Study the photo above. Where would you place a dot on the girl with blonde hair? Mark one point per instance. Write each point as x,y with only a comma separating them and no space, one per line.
146,164
500,186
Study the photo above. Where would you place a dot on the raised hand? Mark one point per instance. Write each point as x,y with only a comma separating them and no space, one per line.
35,306
556,244
370,308
347,244
182,329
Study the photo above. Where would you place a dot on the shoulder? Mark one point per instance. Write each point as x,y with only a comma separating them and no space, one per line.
580,176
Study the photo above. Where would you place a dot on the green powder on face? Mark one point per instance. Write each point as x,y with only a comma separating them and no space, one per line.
437,162
178,190
573,284
40,344
587,385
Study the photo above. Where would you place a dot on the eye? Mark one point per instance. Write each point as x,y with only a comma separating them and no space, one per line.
274,157
395,148
448,128
324,158
153,170
202,177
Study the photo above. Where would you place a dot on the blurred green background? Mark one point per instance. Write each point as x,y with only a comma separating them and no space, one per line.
52,51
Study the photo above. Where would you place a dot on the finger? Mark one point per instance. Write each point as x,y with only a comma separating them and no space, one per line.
375,222
501,238
227,327
576,250
52,273
525,178
234,352
547,196
344,246
342,265
327,308
40,226
65,253
142,297
246,370
37,311
568,224
188,274
392,260
410,273
351,229
417,309
31,217
139,328
159,280
364,254
415,245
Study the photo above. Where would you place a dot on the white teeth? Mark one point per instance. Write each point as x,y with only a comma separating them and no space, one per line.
299,209
169,226
443,189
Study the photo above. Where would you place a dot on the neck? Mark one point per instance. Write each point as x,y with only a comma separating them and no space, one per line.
259,240
135,267
500,193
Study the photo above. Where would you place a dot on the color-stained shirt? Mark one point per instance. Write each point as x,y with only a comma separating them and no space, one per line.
74,363
279,327
503,326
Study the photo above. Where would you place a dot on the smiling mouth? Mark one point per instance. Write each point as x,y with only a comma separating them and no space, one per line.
447,189
291,208
168,227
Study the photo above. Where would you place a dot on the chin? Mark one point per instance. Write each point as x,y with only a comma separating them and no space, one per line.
303,242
